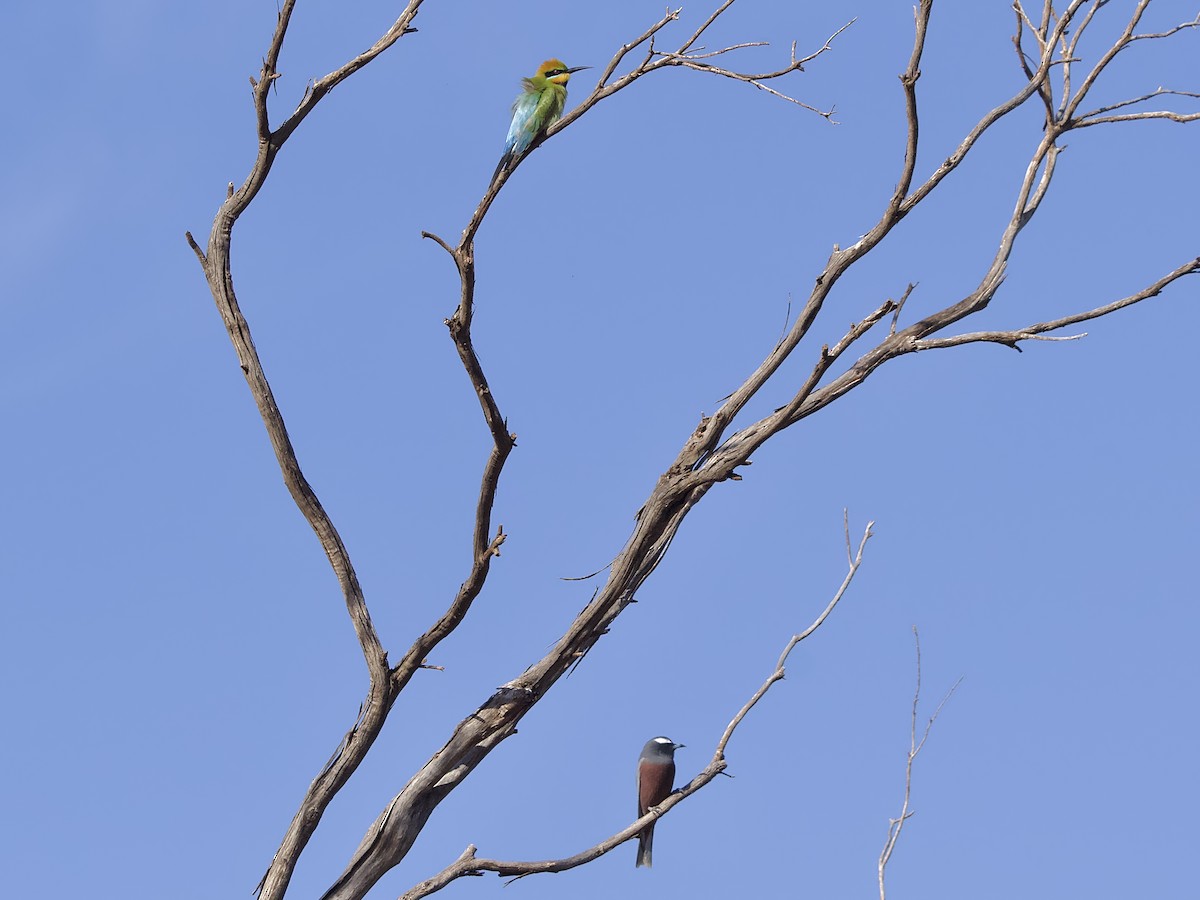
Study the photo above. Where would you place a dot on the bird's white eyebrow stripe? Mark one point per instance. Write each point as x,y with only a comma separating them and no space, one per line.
663,741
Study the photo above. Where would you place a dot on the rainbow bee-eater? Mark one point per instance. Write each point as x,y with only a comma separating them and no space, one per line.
537,108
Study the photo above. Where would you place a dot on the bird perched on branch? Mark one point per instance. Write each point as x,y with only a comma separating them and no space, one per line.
537,108
655,777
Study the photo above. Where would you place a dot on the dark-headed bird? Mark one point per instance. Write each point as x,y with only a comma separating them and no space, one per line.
537,107
655,777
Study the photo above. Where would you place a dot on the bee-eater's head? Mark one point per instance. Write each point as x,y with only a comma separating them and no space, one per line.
556,72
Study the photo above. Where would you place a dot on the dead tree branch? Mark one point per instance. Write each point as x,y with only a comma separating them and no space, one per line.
652,61
724,457
694,60
219,275
1038,331
707,457
379,845
468,864
896,825
711,454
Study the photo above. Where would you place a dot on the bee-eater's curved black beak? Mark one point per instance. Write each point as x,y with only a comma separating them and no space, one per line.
577,69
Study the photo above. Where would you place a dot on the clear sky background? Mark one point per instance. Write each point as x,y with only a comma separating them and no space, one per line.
175,656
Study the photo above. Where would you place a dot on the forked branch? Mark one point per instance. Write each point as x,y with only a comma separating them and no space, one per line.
710,455
389,838
652,61
896,825
217,268
706,457
694,59
469,864
1038,330
723,458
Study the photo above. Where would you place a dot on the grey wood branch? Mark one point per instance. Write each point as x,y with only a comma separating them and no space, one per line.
468,864
1040,169
652,61
390,837
707,457
1038,330
695,60
216,264
896,825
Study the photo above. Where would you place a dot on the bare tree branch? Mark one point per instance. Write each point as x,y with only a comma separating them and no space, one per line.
705,460
651,62
1070,104
1069,55
900,307
693,61
218,272
710,455
1032,191
468,864
1036,80
896,825
672,15
1038,330
699,32
388,840
1167,114
1156,35
712,430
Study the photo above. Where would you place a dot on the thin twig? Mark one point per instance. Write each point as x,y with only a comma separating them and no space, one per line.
896,825
1037,331
692,60
1157,35
900,307
1164,114
1071,104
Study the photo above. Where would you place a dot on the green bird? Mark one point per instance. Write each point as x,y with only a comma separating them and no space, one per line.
537,107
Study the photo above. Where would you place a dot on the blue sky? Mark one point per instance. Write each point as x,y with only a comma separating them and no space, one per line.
177,663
